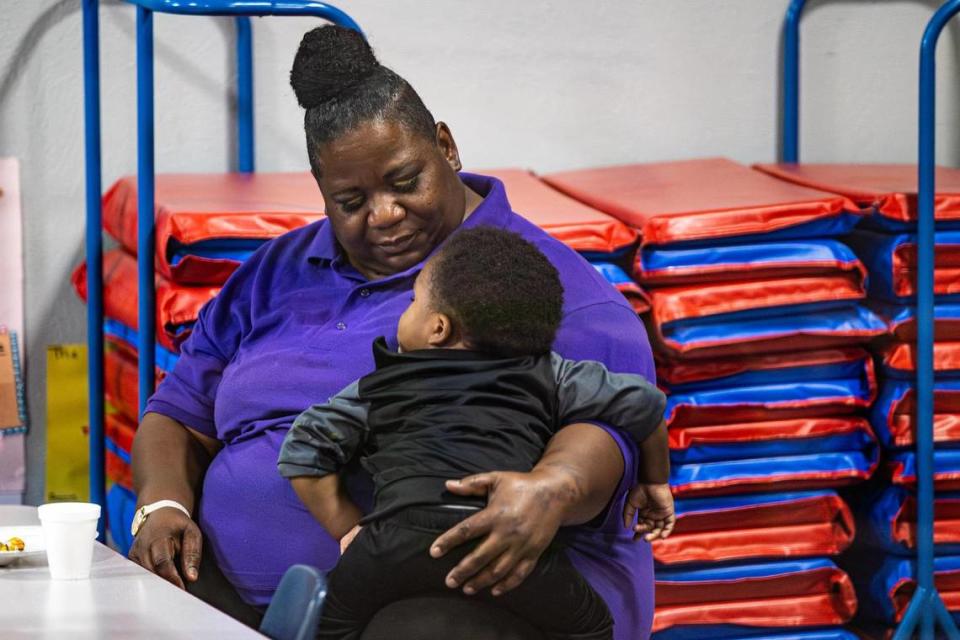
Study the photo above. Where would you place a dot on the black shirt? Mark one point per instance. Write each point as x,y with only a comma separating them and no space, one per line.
438,414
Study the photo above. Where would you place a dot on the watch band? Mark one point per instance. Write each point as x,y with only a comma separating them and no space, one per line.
140,515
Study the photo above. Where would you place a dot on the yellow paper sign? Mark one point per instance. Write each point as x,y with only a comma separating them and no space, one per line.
67,424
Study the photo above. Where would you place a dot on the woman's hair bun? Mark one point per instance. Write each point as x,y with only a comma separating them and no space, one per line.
330,60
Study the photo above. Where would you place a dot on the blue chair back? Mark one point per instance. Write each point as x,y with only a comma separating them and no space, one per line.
294,611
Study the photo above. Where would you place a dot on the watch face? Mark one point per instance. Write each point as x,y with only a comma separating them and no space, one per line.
137,521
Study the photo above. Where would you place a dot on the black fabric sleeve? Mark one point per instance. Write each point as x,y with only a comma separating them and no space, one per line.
325,437
587,392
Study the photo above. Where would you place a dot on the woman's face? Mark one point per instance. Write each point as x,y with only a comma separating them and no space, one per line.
391,195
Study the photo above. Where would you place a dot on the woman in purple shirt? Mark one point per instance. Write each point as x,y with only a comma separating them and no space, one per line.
295,323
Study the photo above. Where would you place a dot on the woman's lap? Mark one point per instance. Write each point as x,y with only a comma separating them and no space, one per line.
422,618
441,617
213,588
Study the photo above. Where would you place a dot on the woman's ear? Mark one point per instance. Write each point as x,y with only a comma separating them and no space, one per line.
448,146
442,333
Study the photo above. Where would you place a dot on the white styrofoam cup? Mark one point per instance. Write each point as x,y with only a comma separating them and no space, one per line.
69,529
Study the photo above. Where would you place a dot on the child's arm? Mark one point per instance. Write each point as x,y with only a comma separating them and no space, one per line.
322,440
651,501
329,503
587,391
654,454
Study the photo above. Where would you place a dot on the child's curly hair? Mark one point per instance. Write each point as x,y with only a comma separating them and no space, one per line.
500,291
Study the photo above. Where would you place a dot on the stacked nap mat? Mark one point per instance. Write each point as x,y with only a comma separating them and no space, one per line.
207,225
758,319
741,263
882,564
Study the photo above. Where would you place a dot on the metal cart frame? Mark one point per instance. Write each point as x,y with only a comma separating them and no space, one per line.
241,10
926,608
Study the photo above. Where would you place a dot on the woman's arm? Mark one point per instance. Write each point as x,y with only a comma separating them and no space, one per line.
572,484
169,461
574,481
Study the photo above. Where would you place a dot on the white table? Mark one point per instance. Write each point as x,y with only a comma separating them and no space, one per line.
120,600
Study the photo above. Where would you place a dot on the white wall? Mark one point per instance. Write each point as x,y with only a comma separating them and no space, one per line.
544,85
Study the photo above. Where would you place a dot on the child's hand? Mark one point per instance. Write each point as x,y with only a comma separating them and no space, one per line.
348,538
652,505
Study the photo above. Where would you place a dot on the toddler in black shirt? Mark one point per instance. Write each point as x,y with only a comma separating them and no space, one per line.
474,387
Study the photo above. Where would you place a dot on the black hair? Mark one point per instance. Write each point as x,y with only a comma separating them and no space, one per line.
338,80
502,294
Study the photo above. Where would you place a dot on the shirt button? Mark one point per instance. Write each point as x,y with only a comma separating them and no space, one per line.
364,293
341,326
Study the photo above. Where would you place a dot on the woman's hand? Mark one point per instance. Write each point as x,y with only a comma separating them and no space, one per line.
169,461
523,513
166,535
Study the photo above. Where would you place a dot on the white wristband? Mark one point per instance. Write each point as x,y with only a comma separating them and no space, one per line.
140,516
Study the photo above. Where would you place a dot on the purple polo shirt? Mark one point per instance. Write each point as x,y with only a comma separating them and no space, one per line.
292,327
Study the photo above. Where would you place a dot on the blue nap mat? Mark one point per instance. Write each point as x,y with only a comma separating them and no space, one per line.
665,262
739,632
165,360
797,471
876,250
847,319
877,521
876,587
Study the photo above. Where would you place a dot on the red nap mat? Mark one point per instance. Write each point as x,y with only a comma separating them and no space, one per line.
193,208
177,305
573,223
767,386
756,300
753,527
671,304
784,594
700,200
903,469
890,189
740,435
894,413
899,359
903,322
683,372
890,522
782,455
120,379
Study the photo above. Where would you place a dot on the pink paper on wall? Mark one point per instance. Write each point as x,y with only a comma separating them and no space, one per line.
12,466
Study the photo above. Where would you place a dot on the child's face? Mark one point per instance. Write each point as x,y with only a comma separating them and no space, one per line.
418,323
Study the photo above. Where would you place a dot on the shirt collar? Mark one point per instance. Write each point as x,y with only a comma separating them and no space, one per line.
493,211
384,356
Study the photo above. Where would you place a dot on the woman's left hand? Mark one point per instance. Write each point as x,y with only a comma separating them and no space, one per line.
523,513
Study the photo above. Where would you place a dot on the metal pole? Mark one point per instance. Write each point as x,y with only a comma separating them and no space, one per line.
94,251
146,296
926,601
245,140
320,10
790,126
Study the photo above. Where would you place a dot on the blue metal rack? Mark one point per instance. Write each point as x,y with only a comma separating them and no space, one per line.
241,10
926,607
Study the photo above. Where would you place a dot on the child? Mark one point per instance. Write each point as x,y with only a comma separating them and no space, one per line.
472,388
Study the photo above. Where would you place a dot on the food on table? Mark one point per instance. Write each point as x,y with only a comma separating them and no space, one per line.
13,544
